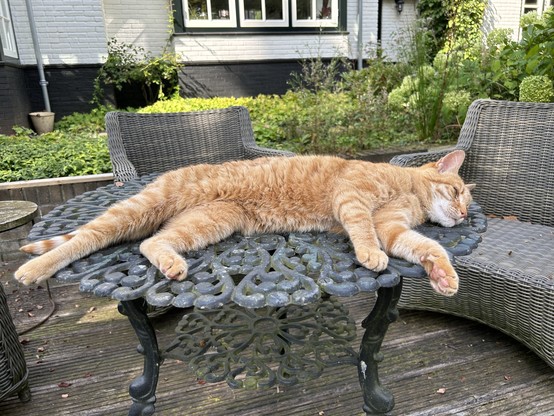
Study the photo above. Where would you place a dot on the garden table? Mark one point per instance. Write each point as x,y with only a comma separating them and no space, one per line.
257,310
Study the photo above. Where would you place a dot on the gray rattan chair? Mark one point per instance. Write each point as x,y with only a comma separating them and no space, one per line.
154,143
13,369
508,282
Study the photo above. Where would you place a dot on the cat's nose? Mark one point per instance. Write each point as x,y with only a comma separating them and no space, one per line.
463,213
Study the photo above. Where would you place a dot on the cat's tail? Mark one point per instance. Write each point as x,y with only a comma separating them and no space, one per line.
41,247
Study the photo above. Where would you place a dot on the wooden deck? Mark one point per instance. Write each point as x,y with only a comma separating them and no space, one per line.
83,357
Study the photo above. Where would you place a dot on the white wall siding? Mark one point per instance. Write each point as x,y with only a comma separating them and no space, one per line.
69,31
369,27
503,14
235,48
142,23
396,27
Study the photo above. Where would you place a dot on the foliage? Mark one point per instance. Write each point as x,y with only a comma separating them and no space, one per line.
129,64
27,156
536,88
92,122
331,108
506,62
452,25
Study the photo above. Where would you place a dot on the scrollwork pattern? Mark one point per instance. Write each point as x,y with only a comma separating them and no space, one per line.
256,271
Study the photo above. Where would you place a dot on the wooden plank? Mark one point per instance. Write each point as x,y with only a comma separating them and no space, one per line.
88,346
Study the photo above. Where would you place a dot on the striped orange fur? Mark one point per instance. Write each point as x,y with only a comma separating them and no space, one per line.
377,205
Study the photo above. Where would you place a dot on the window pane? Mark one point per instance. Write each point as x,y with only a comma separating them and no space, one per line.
253,9
274,9
220,9
323,9
6,31
198,9
303,9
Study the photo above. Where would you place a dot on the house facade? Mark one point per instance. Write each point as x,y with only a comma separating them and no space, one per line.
229,47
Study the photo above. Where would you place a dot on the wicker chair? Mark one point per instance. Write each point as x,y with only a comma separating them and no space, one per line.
13,369
154,143
508,282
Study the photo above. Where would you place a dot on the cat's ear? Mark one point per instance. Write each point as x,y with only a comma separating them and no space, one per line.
451,162
470,186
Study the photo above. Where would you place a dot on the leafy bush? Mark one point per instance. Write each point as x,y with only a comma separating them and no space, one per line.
536,88
506,62
128,64
27,156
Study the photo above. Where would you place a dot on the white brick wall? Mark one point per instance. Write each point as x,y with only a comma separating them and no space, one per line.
234,48
76,31
503,14
395,26
69,31
139,22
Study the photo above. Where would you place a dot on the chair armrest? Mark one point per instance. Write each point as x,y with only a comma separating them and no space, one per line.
418,159
253,152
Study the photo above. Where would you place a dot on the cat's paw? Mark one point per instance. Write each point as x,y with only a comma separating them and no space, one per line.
34,271
372,259
173,266
443,277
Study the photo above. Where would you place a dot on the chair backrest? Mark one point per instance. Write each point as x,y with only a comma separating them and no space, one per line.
510,156
154,143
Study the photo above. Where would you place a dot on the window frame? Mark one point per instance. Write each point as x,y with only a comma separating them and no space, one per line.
211,23
239,25
7,33
315,22
264,22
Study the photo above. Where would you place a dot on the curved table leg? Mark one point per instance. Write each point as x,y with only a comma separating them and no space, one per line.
143,388
377,399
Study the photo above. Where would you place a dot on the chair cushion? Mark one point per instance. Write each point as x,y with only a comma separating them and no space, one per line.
516,247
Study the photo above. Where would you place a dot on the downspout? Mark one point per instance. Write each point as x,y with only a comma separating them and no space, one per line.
360,34
42,79
379,21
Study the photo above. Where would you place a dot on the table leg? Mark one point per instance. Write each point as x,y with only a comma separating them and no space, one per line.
143,388
377,399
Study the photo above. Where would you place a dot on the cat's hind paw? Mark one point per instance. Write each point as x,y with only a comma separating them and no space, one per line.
33,272
443,277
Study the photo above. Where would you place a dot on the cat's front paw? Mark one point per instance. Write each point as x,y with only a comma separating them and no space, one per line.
34,271
373,259
173,266
443,277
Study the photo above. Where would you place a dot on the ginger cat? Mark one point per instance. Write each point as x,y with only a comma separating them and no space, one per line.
189,208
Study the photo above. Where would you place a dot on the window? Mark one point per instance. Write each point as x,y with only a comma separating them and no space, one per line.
530,6
210,13
260,13
7,36
319,13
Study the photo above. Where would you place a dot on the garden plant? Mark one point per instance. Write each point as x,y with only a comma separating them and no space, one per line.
418,101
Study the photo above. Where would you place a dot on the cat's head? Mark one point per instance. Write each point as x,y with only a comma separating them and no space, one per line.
450,195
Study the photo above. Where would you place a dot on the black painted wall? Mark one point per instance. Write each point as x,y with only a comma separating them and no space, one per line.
14,103
236,80
70,88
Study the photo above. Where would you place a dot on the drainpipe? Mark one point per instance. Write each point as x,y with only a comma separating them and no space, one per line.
42,79
360,34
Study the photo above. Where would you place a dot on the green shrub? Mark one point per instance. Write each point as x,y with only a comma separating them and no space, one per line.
57,154
536,88
507,63
129,64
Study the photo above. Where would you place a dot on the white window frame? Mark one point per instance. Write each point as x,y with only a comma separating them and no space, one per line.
7,34
315,22
264,22
209,22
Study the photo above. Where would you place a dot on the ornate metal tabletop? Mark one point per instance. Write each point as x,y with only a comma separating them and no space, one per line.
292,281
258,271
